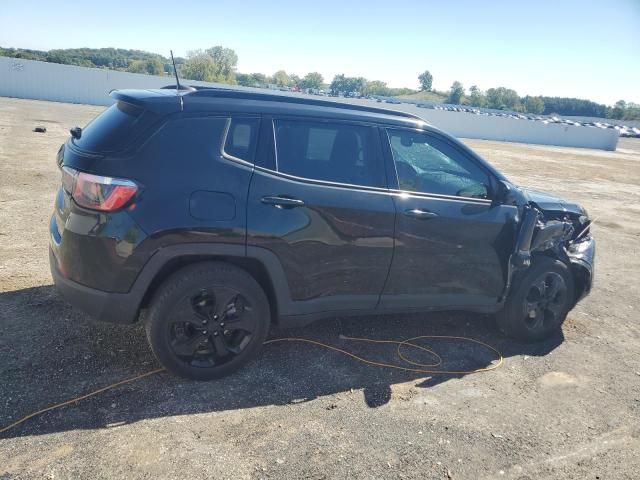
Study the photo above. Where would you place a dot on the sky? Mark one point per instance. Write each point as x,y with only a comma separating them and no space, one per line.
573,48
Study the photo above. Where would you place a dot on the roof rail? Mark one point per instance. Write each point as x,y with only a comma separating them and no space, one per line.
182,88
280,97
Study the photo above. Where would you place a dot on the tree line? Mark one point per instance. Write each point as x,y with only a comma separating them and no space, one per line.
219,64
502,98
136,61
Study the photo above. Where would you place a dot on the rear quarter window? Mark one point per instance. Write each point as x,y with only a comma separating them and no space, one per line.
241,138
115,128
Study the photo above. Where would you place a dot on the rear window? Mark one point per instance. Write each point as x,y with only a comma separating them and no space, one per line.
115,128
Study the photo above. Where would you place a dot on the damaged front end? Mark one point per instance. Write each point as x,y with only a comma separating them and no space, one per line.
552,227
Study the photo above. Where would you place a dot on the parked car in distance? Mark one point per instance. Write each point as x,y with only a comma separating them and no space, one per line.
213,213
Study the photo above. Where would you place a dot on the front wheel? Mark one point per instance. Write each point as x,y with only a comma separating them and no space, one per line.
207,320
538,302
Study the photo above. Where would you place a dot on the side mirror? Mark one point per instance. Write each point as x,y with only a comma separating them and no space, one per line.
507,194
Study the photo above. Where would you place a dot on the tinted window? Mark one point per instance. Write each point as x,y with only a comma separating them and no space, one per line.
241,138
429,165
115,128
332,152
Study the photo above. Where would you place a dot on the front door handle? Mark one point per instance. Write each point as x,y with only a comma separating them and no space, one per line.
282,202
420,214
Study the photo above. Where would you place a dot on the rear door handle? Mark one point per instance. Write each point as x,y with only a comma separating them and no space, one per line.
282,202
420,214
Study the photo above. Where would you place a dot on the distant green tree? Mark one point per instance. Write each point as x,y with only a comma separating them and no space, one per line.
426,80
294,80
281,78
199,66
456,93
338,83
631,112
617,112
244,79
574,106
216,64
312,80
399,92
342,84
376,87
151,67
259,79
533,104
155,67
503,99
23,53
477,97
137,66
225,61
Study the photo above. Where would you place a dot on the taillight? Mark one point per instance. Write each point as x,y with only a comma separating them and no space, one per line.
97,192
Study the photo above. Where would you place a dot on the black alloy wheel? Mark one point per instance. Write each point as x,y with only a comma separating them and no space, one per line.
545,301
211,327
207,320
539,300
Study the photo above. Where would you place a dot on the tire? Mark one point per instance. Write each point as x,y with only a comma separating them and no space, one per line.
538,302
207,320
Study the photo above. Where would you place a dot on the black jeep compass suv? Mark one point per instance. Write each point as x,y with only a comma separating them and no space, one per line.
212,213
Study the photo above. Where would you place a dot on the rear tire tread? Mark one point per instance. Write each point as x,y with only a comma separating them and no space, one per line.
189,277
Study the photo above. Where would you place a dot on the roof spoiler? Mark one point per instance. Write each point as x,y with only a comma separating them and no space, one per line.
158,101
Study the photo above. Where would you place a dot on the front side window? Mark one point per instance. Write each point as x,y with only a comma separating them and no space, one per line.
241,138
333,152
428,165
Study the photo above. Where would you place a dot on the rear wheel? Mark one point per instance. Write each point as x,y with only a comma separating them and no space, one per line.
207,320
539,301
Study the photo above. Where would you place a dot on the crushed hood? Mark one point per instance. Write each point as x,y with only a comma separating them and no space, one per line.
550,203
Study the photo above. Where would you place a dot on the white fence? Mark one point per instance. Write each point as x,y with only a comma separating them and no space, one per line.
68,83
505,129
469,125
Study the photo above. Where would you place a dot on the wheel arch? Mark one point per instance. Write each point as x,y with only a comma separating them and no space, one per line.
261,264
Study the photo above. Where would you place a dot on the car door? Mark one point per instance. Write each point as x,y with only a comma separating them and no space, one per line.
451,240
319,202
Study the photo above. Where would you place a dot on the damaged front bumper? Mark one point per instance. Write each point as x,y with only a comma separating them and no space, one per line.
561,234
582,254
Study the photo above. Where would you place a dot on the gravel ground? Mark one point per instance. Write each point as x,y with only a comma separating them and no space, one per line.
565,408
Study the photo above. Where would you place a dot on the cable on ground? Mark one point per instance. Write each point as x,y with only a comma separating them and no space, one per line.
426,368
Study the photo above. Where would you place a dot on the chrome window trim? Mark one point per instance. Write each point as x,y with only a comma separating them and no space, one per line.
319,182
226,155
348,186
275,147
437,196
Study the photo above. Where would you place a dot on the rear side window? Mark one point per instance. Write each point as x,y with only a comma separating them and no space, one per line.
333,152
240,141
115,128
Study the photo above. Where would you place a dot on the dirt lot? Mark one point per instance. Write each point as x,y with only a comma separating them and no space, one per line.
567,408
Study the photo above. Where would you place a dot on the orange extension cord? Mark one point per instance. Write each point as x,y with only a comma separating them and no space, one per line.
421,368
